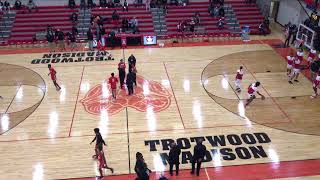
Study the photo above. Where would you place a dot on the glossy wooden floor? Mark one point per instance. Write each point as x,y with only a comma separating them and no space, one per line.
182,92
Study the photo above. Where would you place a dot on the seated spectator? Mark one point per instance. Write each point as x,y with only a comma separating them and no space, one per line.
125,25
152,4
103,3
221,11
110,4
125,6
117,3
74,17
31,5
6,6
91,4
74,30
99,20
262,29
192,25
83,4
196,18
72,4
221,23
18,4
215,11
115,16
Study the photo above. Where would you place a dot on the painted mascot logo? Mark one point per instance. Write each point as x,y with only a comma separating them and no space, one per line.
147,94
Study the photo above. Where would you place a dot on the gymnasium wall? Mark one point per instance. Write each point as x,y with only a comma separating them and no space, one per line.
290,10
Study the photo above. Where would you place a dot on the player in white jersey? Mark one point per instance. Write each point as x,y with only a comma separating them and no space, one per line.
290,60
238,80
296,70
316,83
252,89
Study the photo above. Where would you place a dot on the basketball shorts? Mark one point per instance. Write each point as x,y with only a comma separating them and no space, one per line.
238,83
296,71
289,66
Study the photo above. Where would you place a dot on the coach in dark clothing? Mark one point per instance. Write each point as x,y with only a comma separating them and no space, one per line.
129,82
199,152
290,33
131,61
174,154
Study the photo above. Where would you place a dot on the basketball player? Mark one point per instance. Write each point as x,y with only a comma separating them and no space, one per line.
239,76
290,60
53,73
315,85
113,84
122,72
102,163
312,56
99,142
300,54
296,70
252,89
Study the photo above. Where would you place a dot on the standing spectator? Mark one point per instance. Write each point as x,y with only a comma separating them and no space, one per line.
174,154
112,37
90,39
31,5
125,6
131,61
289,33
141,168
50,39
60,37
6,6
221,11
18,4
73,41
122,72
72,4
134,24
125,25
83,4
199,152
294,33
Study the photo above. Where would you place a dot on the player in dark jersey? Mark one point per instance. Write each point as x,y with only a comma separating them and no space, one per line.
53,73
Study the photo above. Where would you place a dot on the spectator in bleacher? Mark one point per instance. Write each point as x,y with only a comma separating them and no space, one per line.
18,4
117,3
83,4
90,39
115,16
196,18
221,11
91,4
6,6
103,3
215,11
134,24
125,25
141,168
249,1
110,4
73,41
72,4
74,17
125,6
74,30
60,38
192,25
174,2
50,38
221,23
1,6
294,33
148,5
31,5
152,4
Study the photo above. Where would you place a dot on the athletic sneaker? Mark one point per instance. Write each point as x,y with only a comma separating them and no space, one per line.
290,82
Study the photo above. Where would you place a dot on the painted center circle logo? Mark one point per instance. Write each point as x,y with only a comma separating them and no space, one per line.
147,94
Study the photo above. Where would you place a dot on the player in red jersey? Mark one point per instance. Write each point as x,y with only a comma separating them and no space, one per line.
102,163
113,84
238,80
312,56
53,74
290,60
316,83
252,89
300,54
296,70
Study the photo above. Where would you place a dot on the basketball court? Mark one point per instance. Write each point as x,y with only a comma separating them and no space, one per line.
183,94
